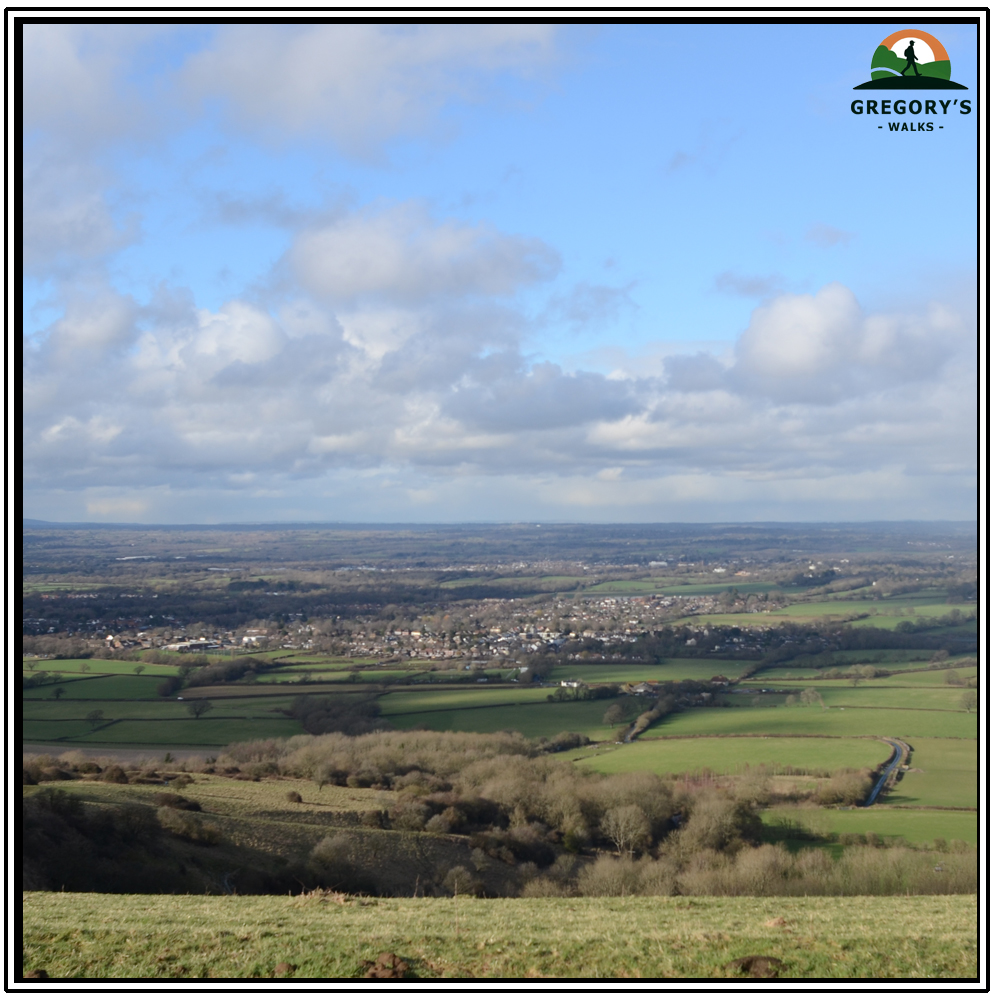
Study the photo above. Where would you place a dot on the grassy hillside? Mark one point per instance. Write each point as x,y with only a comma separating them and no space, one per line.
194,937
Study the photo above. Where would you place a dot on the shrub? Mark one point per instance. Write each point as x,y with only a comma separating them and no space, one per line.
331,864
293,797
182,824
55,774
846,787
609,876
538,888
168,686
459,882
114,774
718,824
409,815
176,802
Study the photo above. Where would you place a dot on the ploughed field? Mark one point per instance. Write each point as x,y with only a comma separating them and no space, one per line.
90,936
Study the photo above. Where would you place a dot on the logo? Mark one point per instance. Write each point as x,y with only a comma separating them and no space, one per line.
910,60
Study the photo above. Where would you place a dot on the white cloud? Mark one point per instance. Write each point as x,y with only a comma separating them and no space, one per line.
73,80
822,347
359,84
815,391
401,255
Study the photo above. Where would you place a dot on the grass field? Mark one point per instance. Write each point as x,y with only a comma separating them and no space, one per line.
813,720
531,720
917,826
94,666
115,686
907,678
670,670
85,936
890,659
873,694
205,732
237,799
163,708
473,696
885,614
928,678
942,773
732,755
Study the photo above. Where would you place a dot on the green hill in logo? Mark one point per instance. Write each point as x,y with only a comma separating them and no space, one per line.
886,65
910,59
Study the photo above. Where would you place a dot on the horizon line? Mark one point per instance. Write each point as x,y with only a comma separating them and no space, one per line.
539,522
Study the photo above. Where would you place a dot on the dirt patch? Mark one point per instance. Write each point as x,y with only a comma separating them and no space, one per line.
387,966
756,966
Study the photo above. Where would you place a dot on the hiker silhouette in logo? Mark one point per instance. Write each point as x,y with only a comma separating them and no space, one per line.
911,59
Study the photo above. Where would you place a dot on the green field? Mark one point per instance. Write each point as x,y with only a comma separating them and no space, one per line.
845,660
114,686
407,702
916,826
942,773
85,936
204,732
154,710
886,613
733,755
531,720
907,678
679,669
236,799
94,666
872,694
927,678
804,720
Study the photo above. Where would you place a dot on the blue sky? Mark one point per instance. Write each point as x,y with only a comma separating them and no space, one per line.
493,272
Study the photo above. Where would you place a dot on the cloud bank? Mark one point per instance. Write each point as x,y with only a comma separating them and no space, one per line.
380,368
397,342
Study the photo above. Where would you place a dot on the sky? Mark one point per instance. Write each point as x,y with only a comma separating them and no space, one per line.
493,272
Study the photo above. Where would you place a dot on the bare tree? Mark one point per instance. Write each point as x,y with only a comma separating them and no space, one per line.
199,707
615,715
96,716
970,700
626,827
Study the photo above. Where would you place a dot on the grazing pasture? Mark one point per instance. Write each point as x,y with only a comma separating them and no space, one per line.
873,694
734,755
919,827
802,720
74,668
531,720
941,773
420,699
100,688
210,731
85,936
670,670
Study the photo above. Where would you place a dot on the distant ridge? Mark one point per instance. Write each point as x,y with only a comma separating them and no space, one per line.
30,522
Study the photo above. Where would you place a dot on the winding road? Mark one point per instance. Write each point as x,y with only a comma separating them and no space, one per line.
900,749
